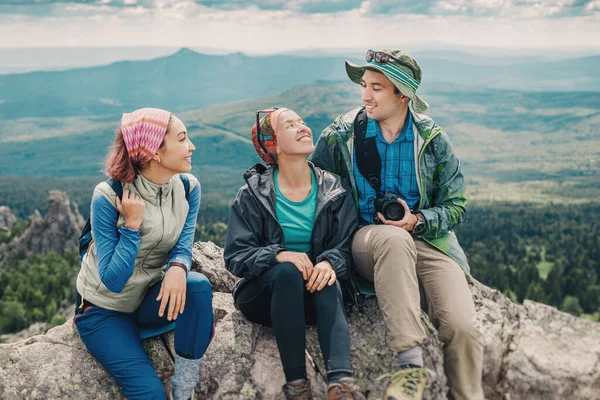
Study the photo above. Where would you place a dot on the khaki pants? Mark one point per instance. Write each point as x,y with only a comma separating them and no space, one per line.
396,263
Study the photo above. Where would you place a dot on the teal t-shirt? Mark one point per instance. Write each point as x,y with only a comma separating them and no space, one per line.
296,218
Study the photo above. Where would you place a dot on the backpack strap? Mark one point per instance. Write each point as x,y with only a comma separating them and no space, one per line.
85,239
186,184
116,186
367,155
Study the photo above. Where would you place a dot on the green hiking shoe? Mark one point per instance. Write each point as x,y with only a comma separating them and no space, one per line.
407,384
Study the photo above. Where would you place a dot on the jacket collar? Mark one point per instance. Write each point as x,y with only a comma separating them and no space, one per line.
260,181
424,124
406,133
151,192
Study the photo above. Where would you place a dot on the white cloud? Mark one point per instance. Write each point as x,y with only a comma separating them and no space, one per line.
254,30
516,8
136,12
593,5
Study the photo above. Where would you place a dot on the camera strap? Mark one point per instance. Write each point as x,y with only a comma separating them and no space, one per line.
367,155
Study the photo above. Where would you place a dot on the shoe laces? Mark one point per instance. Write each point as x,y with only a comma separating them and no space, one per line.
410,379
298,391
347,389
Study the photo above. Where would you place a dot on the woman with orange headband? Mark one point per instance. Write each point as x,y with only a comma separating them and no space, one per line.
135,278
288,237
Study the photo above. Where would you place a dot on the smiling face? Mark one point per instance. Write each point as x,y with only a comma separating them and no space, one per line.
294,138
175,153
379,97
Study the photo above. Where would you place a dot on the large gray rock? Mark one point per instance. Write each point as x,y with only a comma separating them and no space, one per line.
531,352
207,258
57,366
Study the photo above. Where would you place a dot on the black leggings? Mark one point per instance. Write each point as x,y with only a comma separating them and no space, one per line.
279,299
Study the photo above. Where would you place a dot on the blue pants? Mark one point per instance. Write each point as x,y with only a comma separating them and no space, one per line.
113,337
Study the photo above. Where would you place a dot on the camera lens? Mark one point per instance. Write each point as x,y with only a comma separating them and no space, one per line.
393,211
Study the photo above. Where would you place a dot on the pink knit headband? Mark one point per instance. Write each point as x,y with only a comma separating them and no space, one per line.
143,131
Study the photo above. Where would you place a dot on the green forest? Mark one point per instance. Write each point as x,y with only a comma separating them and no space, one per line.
35,289
547,253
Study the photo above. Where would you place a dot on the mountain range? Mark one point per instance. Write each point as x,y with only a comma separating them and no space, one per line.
190,80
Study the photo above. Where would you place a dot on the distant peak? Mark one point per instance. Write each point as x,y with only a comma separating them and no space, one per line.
185,51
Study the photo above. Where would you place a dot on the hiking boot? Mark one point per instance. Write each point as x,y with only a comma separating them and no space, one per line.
298,391
407,384
346,389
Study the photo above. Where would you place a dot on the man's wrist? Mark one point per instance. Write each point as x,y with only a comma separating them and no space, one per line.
419,225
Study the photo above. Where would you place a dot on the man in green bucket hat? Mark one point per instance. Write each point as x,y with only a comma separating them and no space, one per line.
409,191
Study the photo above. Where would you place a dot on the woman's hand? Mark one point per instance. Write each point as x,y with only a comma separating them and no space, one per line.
323,274
172,291
131,207
300,260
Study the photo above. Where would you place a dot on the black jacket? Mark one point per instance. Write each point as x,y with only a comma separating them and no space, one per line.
254,235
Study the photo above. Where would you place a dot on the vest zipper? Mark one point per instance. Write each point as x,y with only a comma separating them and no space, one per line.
161,235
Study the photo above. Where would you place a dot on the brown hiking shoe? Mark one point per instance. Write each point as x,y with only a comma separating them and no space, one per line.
346,389
298,391
407,384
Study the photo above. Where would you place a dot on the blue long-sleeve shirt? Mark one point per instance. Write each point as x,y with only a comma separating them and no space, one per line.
118,248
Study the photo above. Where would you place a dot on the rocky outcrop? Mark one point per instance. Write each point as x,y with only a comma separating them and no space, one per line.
7,218
34,329
531,352
57,231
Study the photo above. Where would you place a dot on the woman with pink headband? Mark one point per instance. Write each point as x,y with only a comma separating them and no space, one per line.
135,279
288,237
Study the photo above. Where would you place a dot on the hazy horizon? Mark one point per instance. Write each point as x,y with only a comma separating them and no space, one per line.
57,58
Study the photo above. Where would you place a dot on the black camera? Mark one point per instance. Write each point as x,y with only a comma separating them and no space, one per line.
387,204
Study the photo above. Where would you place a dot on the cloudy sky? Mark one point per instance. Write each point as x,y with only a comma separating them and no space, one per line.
270,26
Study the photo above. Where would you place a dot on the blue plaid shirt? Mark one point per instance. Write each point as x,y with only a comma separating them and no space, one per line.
398,173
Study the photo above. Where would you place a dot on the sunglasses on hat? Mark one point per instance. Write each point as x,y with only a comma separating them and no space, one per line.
383,58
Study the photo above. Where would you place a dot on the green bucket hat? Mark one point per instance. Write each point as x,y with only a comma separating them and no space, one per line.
400,68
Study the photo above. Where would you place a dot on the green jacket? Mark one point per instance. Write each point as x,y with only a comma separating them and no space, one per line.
441,185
